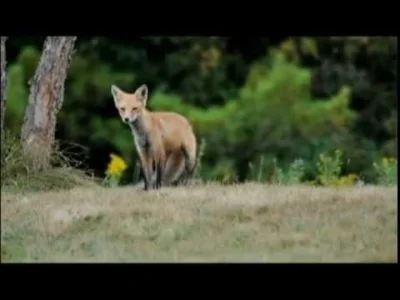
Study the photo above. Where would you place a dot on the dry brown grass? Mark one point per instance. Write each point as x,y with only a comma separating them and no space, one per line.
242,223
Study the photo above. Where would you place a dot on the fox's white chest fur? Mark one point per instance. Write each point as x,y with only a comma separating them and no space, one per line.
140,136
142,142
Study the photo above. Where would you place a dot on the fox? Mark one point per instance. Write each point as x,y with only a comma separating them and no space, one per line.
164,140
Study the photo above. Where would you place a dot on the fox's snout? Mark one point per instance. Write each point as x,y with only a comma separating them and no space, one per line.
129,119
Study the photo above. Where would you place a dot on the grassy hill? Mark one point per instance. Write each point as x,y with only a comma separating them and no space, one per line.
211,223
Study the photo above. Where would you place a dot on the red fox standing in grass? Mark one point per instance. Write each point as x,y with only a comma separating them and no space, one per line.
164,140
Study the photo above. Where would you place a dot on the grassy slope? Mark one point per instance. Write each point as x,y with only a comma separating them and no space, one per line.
250,222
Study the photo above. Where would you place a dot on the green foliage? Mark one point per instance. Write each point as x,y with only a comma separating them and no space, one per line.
329,168
387,171
293,175
276,114
348,180
250,103
18,75
89,98
269,170
369,66
296,172
84,106
260,170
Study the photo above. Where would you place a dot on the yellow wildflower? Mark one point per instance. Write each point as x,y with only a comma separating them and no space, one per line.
116,166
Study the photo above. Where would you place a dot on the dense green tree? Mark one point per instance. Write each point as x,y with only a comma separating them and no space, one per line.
250,99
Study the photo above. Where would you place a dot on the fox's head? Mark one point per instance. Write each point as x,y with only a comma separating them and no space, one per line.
130,106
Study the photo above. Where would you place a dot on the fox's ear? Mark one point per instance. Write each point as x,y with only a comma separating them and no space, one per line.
116,92
142,93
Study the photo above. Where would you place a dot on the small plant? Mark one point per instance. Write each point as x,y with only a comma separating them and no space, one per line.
329,168
292,176
387,171
258,169
115,170
296,171
224,172
277,175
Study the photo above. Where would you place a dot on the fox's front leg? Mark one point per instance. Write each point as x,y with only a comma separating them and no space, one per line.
147,166
160,167
159,174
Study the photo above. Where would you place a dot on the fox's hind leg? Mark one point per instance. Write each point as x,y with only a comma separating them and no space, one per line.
148,171
159,171
173,168
190,157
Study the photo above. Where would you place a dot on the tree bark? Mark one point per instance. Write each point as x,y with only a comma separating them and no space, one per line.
3,83
46,98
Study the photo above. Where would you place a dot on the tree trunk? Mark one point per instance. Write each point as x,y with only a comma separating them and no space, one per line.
45,99
3,83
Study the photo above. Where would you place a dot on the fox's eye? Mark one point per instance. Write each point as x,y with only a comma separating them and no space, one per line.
134,109
122,109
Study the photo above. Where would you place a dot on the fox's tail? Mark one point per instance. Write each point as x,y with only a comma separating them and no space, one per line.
198,155
191,153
